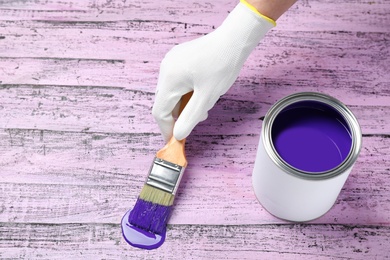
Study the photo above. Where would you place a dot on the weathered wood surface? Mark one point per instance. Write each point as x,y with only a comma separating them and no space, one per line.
103,241
77,82
105,171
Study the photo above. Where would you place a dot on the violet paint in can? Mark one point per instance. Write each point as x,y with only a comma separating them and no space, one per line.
308,146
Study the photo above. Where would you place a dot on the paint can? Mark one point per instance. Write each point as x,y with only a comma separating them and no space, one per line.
308,145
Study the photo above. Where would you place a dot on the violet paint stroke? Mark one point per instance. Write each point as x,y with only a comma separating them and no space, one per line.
145,226
311,137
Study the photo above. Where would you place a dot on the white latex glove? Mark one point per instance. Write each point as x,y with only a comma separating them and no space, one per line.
208,66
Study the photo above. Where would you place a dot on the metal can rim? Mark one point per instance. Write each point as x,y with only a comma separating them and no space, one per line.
344,111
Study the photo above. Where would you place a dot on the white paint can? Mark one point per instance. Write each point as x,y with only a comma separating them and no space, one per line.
308,146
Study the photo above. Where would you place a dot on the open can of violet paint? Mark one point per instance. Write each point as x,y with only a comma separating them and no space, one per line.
308,146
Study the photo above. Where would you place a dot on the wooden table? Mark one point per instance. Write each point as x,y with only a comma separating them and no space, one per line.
77,82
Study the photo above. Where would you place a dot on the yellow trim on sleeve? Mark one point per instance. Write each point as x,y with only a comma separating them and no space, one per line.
257,12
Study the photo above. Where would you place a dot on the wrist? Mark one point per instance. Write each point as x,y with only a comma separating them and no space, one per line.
244,22
272,9
251,5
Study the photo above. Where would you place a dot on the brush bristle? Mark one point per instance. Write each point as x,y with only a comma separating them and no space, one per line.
152,210
157,196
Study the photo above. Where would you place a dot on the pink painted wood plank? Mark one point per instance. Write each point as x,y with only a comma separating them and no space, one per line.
62,177
95,241
304,16
118,110
345,64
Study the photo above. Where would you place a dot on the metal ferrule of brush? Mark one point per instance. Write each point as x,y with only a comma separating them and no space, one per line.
165,175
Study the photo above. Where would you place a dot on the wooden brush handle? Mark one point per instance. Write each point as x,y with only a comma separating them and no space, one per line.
174,151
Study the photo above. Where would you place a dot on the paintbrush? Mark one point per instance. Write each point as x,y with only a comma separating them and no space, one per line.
154,204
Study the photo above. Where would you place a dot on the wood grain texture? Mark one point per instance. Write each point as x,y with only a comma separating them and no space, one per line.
91,241
121,110
108,170
77,82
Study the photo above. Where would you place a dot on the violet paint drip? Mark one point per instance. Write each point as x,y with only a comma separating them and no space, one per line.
138,237
145,226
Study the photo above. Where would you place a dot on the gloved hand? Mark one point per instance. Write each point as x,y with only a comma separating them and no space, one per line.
208,66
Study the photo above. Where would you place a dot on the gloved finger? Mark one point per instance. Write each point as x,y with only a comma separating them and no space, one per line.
175,111
166,101
163,105
195,111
